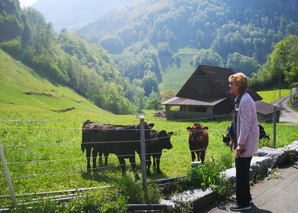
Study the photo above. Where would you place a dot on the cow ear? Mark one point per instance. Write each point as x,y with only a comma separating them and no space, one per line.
151,125
156,138
206,128
170,133
188,129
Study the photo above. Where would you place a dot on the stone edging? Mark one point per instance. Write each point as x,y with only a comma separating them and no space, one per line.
264,158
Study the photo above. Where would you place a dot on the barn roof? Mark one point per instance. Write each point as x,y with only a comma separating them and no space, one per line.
219,77
202,101
265,108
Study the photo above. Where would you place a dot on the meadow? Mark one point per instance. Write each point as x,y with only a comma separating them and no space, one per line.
42,141
43,151
271,95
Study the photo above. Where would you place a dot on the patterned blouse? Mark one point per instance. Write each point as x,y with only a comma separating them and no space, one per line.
247,126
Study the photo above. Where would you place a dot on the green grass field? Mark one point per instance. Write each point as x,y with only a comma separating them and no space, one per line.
175,77
271,95
42,146
44,154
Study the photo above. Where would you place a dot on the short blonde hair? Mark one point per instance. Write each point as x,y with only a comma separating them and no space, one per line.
240,80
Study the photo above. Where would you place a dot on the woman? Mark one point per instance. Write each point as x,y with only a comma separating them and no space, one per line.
246,138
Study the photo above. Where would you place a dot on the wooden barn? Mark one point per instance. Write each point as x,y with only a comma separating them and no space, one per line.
265,112
205,95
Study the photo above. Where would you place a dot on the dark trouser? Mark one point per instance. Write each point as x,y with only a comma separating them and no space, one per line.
242,181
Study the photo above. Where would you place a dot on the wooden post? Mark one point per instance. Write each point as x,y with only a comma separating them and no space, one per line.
274,127
13,197
143,155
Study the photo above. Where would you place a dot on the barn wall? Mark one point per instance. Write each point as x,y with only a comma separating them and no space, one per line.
180,115
223,108
268,118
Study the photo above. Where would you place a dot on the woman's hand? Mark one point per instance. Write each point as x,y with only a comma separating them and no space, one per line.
239,150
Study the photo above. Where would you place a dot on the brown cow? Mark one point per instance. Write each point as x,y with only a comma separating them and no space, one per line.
198,141
123,141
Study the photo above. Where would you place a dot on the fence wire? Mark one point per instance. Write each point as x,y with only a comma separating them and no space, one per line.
166,156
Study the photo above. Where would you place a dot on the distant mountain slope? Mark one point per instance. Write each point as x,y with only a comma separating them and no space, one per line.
242,33
10,18
67,60
73,14
22,88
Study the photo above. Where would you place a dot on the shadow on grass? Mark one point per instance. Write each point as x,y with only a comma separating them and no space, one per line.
112,174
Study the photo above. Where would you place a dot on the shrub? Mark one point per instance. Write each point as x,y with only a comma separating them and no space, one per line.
107,201
210,175
265,143
13,47
134,192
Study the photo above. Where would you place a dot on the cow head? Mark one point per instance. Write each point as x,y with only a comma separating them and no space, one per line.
151,125
87,124
147,129
226,139
196,131
197,128
164,139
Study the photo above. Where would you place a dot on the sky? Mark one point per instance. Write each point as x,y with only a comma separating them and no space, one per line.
27,3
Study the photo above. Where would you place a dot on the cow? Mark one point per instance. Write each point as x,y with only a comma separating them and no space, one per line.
123,141
198,141
263,134
88,142
154,148
226,139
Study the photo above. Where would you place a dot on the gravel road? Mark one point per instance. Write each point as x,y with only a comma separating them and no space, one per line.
287,114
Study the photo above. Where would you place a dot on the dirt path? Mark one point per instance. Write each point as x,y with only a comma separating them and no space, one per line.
287,114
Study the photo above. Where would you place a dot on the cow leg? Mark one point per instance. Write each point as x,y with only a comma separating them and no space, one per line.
106,158
158,163
193,156
88,156
100,158
122,164
148,163
203,156
198,154
154,160
94,156
132,161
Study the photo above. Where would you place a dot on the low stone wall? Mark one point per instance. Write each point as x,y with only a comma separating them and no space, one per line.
264,159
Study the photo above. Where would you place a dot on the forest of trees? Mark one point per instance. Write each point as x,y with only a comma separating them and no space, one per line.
118,60
67,59
281,64
235,34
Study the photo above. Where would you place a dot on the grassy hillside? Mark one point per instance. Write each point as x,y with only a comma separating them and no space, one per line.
271,95
43,150
175,77
25,91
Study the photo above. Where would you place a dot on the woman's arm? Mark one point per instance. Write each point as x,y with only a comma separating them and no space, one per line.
245,117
